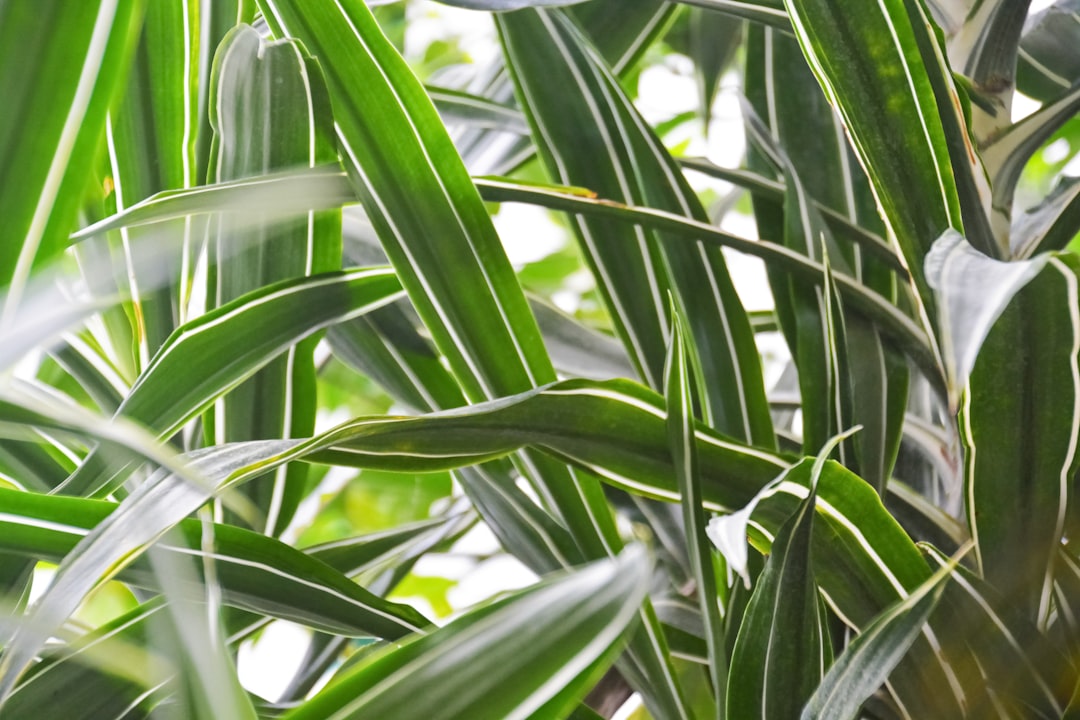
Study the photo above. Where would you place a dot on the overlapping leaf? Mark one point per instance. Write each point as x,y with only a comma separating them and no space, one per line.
607,147
277,90
63,96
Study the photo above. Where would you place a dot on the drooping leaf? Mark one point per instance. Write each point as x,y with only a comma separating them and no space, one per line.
1052,224
529,655
961,276
621,159
1048,64
1020,423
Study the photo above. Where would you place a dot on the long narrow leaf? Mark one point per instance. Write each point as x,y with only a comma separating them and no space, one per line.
679,394
80,55
866,663
278,89
621,159
529,655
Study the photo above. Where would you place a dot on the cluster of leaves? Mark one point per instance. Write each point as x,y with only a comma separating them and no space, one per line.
211,207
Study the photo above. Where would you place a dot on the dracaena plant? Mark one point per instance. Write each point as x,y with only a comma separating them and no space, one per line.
226,220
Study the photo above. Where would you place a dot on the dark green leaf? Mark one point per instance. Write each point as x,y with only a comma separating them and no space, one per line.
866,663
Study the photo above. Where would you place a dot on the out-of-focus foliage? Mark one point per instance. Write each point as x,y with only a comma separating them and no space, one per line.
348,316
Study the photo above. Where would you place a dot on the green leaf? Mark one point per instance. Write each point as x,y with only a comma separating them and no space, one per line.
1002,662
1048,64
477,111
866,663
533,654
440,239
271,316
1010,151
870,241
679,393
192,629
893,322
435,230
1067,598
504,5
882,69
1050,225
984,51
275,196
212,354
151,148
623,32
159,504
616,429
278,89
559,81
355,555
810,318
805,136
714,41
765,12
1019,424
576,350
80,56
252,569
898,326
781,642
104,674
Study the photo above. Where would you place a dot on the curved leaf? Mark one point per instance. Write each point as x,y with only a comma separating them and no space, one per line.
1020,425
504,5
215,352
866,663
529,655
